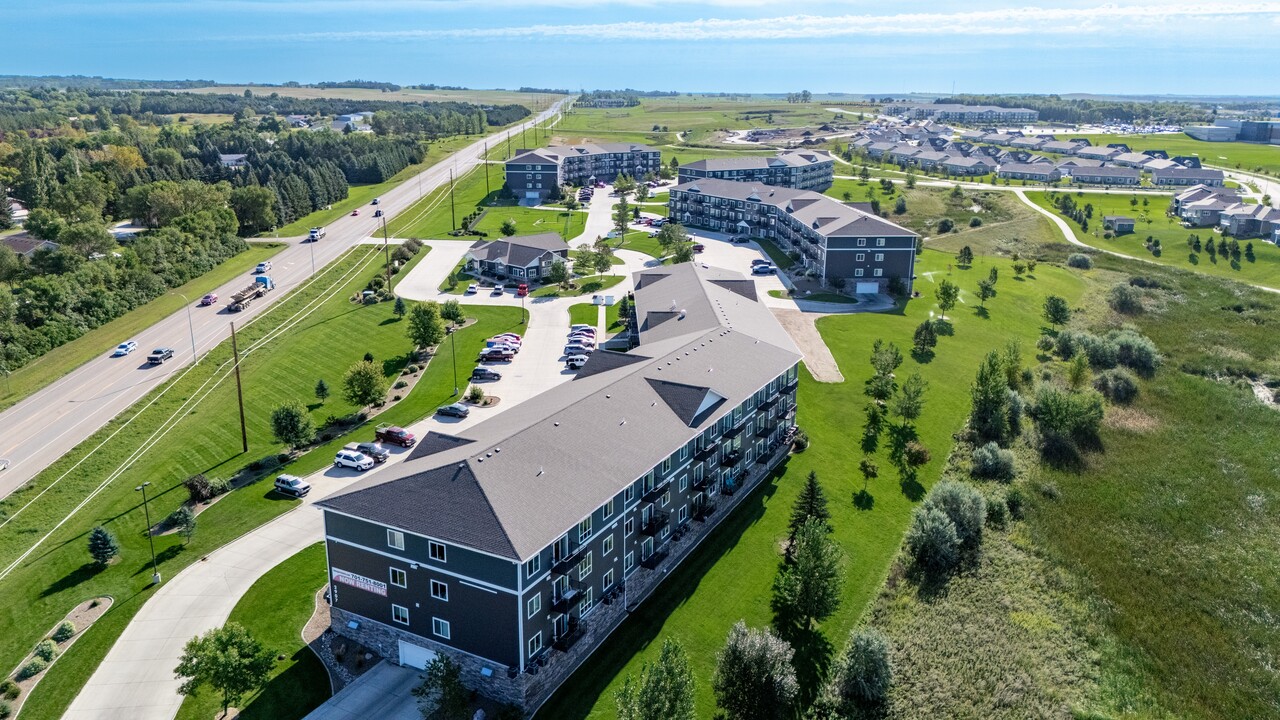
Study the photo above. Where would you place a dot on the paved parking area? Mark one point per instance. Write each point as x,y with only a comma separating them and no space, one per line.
382,693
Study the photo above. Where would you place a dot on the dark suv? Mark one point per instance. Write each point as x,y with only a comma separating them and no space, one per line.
378,453
481,374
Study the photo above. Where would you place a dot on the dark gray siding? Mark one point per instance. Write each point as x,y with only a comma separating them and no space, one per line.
897,259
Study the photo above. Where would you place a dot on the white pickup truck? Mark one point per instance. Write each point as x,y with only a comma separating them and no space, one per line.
315,234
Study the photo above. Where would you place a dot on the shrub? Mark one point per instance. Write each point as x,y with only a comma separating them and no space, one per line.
10,689
1016,502
1125,299
1045,343
964,506
998,514
801,441
992,461
46,650
945,225
476,394
400,384
1117,385
1080,260
1143,281
5,709
1017,408
1134,350
975,221
32,668
932,541
199,488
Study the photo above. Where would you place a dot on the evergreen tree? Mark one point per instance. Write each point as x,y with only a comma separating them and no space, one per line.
103,545
322,390
965,257
811,504
990,393
399,309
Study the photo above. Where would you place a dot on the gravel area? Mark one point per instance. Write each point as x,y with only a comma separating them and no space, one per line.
817,357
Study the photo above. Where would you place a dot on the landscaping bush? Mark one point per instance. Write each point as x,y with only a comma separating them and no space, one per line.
46,650
10,689
965,507
801,441
1117,385
32,668
1080,260
476,394
1045,343
1125,299
945,225
400,384
975,221
64,632
992,461
5,709
199,488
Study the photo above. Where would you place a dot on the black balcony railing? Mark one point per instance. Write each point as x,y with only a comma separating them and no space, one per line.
733,432
731,458
767,405
563,602
654,560
764,431
704,511
657,521
705,453
568,562
702,482
656,492
791,386
571,636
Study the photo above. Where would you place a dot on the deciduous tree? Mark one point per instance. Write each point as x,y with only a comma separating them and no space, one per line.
291,424
664,690
364,384
426,326
754,678
1056,311
947,294
228,660
808,587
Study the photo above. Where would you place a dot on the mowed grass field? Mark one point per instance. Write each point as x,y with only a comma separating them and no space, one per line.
430,217
533,101
1263,268
1238,155
730,576
274,611
589,314
203,439
530,221
61,360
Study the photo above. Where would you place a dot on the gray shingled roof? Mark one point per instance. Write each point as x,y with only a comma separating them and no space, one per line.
555,153
520,251
1193,173
537,469
788,158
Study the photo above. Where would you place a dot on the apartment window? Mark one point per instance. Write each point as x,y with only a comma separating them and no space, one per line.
400,614
440,628
439,590
584,567
535,644
437,551
878,272
683,514
395,539
629,562
529,185
697,473
684,479
684,451
857,272
584,530
879,257
608,545
862,242
629,494
628,527
535,604
399,578
860,257
879,242
608,581
532,567
608,509
666,466
587,600
666,530
666,498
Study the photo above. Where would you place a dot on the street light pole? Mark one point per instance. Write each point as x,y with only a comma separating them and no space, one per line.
386,250
190,325
155,572
453,347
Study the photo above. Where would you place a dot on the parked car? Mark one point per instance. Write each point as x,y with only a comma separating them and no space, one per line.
483,374
502,341
292,485
496,355
473,289
741,239
395,435
503,347
765,269
583,339
575,362
514,336
352,459
582,326
159,355
209,299
760,261
376,452
264,266
578,349
125,348
699,247
457,410
498,290
522,290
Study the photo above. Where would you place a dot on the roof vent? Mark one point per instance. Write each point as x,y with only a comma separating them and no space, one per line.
539,471
479,459
606,397
488,454
624,422
497,449
556,423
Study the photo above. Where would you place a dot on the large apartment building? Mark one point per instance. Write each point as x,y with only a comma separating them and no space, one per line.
968,114
516,545
832,238
534,174
795,169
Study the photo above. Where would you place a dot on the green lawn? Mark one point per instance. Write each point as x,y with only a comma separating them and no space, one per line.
56,363
775,253
586,286
274,611
828,297
1262,268
639,241
204,439
588,314
730,576
530,221
430,217
1242,156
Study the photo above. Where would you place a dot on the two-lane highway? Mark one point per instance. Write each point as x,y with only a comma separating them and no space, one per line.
40,429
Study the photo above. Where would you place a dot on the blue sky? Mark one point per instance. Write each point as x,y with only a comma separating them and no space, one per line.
1121,46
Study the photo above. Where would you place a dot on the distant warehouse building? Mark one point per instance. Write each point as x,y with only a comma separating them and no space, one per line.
795,169
535,174
969,114
1256,131
834,239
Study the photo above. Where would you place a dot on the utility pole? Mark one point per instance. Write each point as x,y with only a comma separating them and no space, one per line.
508,144
486,169
235,352
453,218
386,250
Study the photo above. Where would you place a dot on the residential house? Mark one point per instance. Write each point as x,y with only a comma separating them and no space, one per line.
1188,176
1038,172
929,160
26,244
1202,205
1131,159
526,257
902,153
1028,143
1187,161
1156,163
833,239
796,169
233,160
1247,221
1106,175
878,150
516,546
1119,224
1097,153
967,114
998,138
1061,147
535,174
968,166
1075,162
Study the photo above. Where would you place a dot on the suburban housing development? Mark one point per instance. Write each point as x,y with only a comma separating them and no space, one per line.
536,174
517,545
795,169
833,239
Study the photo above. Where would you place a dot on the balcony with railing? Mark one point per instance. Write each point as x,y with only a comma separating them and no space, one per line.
569,637
731,459
655,559
704,511
562,601
700,483
657,521
563,565
658,489
705,453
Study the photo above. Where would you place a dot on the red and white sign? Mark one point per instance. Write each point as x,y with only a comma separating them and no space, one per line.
359,581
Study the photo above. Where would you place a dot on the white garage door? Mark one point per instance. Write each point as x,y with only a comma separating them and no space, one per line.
414,656
867,288
531,194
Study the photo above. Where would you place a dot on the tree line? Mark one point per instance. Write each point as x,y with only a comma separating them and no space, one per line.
1055,108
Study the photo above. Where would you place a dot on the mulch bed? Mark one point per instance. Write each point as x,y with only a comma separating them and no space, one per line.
344,659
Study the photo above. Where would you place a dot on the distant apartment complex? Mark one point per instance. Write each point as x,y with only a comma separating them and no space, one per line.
831,238
795,169
967,114
535,174
515,546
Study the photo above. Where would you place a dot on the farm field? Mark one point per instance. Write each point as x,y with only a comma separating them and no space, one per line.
481,97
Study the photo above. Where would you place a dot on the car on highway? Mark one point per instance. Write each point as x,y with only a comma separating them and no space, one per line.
292,485
159,355
352,459
575,362
377,213
472,289
494,354
457,410
764,269
316,233
354,213
373,451
394,435
262,267
209,299
484,374
376,201
124,348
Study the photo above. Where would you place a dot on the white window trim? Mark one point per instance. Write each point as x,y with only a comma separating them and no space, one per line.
403,609
395,539
440,584
537,637
534,606
403,574
431,551
608,545
437,625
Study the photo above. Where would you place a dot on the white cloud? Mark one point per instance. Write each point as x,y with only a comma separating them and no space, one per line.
1078,20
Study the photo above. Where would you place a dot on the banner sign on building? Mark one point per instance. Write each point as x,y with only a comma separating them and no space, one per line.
359,581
